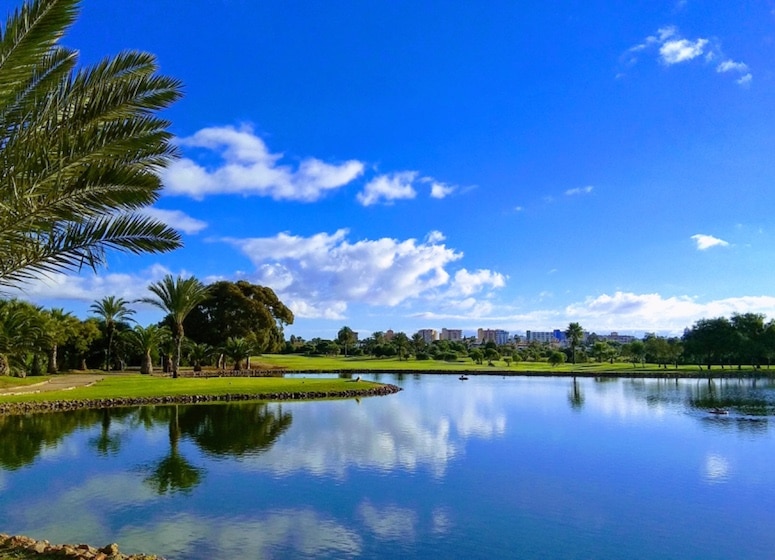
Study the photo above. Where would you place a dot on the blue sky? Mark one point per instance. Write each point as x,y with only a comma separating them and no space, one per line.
406,165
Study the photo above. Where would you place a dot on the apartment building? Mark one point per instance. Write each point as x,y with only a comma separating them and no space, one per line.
451,334
497,336
428,335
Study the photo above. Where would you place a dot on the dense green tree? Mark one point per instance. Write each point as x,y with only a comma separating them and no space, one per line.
177,296
710,341
111,310
476,355
80,149
657,350
749,338
556,358
239,309
491,354
574,333
401,343
346,337
83,338
635,351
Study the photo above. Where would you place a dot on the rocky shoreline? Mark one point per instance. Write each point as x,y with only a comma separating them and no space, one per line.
65,405
26,548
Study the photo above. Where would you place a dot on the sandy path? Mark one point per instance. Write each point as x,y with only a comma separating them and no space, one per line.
56,383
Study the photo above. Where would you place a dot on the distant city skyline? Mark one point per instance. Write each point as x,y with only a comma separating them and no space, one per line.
392,165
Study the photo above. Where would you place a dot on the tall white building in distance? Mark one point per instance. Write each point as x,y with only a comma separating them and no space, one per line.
428,335
451,334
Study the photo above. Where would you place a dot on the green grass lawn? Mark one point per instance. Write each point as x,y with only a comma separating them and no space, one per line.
137,386
363,363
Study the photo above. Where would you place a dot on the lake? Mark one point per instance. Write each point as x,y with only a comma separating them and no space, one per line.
491,467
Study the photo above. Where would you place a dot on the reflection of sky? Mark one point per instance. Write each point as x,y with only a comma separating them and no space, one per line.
481,468
385,434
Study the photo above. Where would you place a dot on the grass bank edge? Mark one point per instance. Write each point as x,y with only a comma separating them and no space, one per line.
364,364
137,386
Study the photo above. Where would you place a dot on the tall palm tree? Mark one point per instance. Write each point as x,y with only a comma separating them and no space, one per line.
20,334
177,296
574,333
80,149
59,326
111,310
146,340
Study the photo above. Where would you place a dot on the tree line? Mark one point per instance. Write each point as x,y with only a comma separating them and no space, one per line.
744,339
203,325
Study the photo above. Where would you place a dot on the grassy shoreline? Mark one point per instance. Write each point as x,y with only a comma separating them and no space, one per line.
293,363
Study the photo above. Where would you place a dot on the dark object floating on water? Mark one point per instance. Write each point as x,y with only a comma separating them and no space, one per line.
463,378
718,411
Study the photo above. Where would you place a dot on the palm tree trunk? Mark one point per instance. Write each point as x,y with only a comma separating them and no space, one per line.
4,369
52,360
146,367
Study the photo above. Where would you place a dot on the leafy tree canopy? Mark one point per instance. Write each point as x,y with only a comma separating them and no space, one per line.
239,310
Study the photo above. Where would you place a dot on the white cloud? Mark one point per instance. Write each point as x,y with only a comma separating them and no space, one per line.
435,237
318,276
248,168
732,66
91,287
176,219
745,80
579,190
388,188
440,190
681,50
628,311
469,283
705,242
671,48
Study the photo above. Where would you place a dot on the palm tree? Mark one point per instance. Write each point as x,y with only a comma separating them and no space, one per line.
237,349
146,340
574,333
20,334
59,326
80,149
401,342
199,354
346,337
177,296
112,310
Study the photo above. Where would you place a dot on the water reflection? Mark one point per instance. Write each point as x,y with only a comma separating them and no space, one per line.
443,469
24,437
173,473
576,396
235,429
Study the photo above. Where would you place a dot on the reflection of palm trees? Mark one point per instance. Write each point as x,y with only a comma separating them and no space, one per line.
235,429
575,395
174,473
106,443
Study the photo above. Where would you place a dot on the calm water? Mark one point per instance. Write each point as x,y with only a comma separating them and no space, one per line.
484,468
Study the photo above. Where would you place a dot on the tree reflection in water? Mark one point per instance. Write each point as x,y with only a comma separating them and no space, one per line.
232,429
25,436
174,473
575,395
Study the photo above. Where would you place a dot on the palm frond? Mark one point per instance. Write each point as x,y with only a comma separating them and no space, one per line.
29,34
